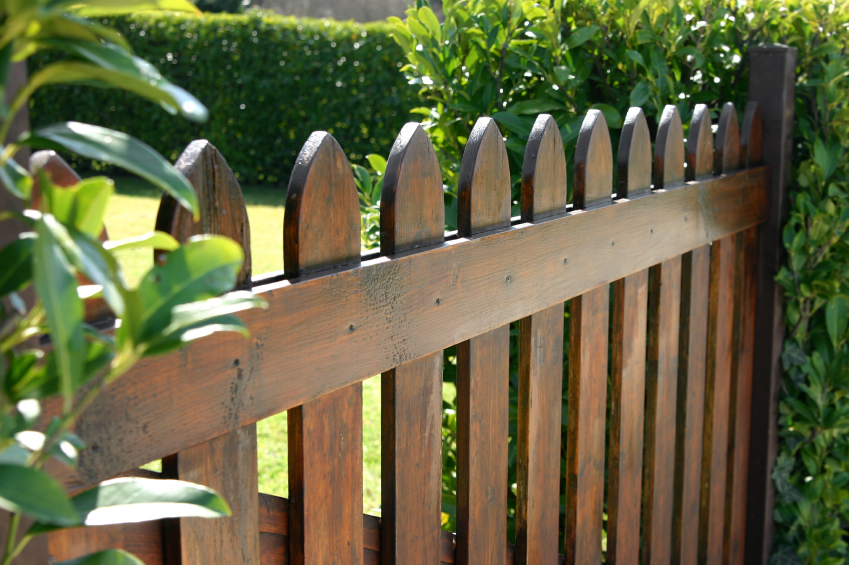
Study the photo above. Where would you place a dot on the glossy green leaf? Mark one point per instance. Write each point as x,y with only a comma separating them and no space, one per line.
534,106
611,115
581,36
514,124
90,258
108,557
179,337
56,285
102,7
102,144
82,205
16,179
377,162
36,494
640,94
836,319
16,259
155,239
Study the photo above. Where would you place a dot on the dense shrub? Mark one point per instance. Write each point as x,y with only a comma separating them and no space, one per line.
513,60
268,81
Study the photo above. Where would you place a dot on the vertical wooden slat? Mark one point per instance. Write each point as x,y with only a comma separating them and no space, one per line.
669,153
227,463
772,83
412,215
726,156
483,367
700,163
628,360
744,326
321,230
588,364
540,367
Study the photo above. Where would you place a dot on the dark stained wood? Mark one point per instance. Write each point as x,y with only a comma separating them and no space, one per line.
726,155
745,295
717,395
222,207
700,144
169,403
412,215
321,229
669,154
144,540
751,137
227,463
483,368
634,161
409,216
540,367
544,189
661,395
772,83
593,160
627,401
692,356
588,362
628,364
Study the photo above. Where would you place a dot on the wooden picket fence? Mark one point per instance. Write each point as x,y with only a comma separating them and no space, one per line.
674,318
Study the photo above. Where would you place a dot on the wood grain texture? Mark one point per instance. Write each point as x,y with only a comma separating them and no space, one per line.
661,395
726,155
588,337
227,463
222,207
751,136
593,163
634,161
745,298
717,396
144,540
540,368
483,368
544,188
411,216
627,402
700,144
166,404
669,153
320,230
692,357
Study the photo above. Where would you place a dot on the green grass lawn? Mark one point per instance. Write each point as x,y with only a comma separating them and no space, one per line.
133,212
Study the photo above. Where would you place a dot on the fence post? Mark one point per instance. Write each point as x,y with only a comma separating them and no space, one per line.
772,74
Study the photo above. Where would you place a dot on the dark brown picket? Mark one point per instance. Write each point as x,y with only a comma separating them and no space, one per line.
700,144
628,361
540,367
412,215
588,364
669,153
227,463
321,230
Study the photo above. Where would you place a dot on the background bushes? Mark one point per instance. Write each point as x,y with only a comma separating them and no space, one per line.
268,81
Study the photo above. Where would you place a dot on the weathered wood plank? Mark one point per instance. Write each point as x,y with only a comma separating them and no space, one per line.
411,216
540,368
166,404
588,362
227,463
483,367
321,229
700,157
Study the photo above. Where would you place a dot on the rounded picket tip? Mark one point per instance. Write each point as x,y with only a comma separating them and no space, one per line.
321,226
751,136
726,155
544,184
669,153
593,163
700,144
484,187
634,159
412,210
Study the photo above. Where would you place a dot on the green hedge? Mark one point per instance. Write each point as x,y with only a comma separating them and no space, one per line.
268,81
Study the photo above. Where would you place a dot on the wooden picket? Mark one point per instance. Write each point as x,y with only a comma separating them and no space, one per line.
662,280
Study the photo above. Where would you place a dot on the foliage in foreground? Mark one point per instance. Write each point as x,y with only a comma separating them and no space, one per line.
61,255
515,59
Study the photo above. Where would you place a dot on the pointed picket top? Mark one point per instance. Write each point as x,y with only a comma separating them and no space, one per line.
700,144
669,153
484,188
633,176
412,210
751,136
321,227
593,163
544,186
726,155
222,207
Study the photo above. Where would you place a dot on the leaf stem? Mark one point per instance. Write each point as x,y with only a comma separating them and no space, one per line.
11,534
